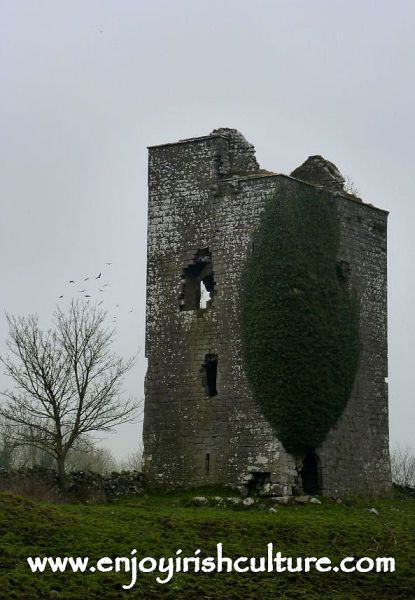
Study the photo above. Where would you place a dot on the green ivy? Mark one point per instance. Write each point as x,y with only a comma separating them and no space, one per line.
299,319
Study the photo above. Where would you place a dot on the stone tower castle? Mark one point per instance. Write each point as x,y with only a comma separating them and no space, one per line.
201,422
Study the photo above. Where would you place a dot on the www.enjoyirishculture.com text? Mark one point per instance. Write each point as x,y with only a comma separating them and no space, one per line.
165,568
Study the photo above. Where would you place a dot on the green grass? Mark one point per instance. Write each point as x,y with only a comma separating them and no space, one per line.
159,525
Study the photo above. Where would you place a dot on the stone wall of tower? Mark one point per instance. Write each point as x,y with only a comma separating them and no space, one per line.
355,455
208,193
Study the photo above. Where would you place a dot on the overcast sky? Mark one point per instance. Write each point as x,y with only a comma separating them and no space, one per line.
87,85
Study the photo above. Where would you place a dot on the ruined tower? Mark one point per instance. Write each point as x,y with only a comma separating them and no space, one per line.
202,424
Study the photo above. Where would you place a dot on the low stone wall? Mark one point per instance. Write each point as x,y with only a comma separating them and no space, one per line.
81,485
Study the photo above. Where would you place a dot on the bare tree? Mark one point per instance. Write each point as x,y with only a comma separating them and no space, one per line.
91,458
68,382
14,455
403,466
134,460
7,446
28,456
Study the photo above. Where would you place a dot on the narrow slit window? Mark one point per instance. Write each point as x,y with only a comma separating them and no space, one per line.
210,373
207,463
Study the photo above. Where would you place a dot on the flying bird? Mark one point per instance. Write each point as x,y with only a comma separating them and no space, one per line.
98,276
60,296
86,278
80,291
87,296
99,303
108,264
72,281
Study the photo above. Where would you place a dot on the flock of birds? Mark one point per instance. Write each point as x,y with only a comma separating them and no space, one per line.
88,293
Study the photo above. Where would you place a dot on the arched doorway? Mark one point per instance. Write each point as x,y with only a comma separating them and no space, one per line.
311,473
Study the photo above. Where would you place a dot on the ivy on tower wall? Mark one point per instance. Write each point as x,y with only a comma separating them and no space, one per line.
299,319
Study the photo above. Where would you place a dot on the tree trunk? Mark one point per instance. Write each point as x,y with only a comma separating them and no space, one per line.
61,473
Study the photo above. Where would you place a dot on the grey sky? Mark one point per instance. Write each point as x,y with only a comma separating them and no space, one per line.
87,85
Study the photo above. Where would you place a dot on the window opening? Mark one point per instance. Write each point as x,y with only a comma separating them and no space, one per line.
197,284
210,372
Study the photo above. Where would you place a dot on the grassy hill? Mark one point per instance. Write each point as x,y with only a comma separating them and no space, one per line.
160,525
